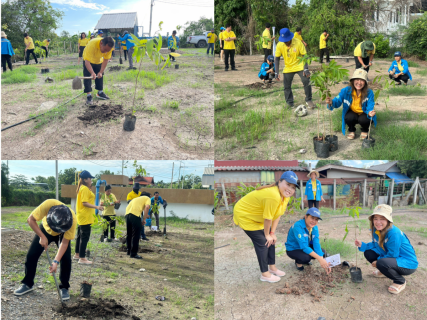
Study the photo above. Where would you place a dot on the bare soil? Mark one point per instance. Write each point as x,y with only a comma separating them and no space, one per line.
101,113
310,294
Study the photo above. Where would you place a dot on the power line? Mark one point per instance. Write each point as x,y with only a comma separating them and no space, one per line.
188,4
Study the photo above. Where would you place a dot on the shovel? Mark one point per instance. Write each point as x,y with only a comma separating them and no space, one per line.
54,277
164,207
77,82
121,60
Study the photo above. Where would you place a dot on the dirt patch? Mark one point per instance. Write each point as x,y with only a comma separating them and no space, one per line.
115,68
123,248
94,308
260,85
101,113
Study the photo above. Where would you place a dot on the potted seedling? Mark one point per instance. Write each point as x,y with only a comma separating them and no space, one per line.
353,211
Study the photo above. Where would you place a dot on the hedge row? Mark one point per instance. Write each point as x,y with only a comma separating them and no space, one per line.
31,198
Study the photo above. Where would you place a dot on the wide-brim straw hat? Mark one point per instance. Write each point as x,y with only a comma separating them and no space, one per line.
382,210
316,172
360,74
3,34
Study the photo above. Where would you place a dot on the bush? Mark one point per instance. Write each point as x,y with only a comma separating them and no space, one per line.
32,198
382,46
415,38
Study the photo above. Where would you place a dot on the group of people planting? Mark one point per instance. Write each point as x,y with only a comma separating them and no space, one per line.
60,224
258,214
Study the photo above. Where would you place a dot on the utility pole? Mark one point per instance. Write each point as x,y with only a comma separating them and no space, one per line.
56,169
173,164
123,161
151,14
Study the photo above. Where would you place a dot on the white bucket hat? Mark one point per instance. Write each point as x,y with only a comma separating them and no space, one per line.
3,34
383,210
316,172
360,74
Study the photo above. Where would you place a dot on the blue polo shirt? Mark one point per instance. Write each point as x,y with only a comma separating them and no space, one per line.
299,238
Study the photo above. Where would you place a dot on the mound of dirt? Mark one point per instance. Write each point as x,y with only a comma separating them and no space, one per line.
101,113
260,85
316,282
123,248
115,68
96,308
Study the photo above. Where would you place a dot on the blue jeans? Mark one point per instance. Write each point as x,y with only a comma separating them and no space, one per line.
142,229
210,46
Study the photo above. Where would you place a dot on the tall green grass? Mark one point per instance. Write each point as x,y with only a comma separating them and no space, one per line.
333,246
67,74
413,64
422,72
407,91
147,79
20,75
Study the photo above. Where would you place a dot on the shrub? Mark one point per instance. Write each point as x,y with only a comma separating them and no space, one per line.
382,46
415,37
32,198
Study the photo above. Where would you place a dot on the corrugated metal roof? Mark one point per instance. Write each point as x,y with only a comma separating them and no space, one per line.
347,168
259,168
383,167
126,20
256,163
399,177
209,171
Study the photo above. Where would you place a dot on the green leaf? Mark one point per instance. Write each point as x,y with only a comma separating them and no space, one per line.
149,47
346,232
166,63
159,44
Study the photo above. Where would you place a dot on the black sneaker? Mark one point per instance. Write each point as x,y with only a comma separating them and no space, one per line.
145,239
23,289
234,69
226,69
65,294
128,253
310,263
102,95
89,100
136,257
299,268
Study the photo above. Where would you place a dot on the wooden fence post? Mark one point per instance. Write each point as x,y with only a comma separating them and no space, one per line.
364,192
302,196
335,194
391,188
224,195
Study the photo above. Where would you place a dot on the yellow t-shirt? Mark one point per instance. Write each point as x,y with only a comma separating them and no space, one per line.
250,211
212,38
29,40
99,36
267,45
290,55
221,36
322,42
132,195
45,43
314,188
93,53
137,206
399,66
356,105
358,50
41,212
174,41
228,45
124,45
84,42
297,36
108,200
85,214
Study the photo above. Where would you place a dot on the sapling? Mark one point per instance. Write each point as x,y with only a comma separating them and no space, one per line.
353,211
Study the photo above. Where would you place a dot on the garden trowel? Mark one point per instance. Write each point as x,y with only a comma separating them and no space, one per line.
54,278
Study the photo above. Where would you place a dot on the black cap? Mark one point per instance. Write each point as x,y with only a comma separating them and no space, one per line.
107,187
59,218
85,174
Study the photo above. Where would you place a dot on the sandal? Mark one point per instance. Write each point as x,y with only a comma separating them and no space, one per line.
351,136
378,274
363,135
398,290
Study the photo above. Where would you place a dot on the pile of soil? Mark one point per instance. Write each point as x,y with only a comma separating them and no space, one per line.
101,113
316,282
260,85
96,308
115,68
141,249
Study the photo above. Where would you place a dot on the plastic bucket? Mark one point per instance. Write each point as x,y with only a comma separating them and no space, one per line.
368,143
333,142
129,124
117,205
85,289
356,274
177,66
321,148
148,222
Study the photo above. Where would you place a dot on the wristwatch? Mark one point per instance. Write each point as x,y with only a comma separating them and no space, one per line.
56,261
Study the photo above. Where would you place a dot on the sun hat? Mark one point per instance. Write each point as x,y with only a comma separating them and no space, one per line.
314,212
285,35
3,34
396,54
59,218
382,210
317,173
85,174
290,177
360,74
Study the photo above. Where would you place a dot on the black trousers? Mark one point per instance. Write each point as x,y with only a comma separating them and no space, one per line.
83,236
170,57
267,52
365,62
36,251
6,58
45,50
313,203
403,77
266,256
111,225
266,77
229,54
389,267
99,83
300,256
322,53
133,227
125,53
27,57
352,119
81,51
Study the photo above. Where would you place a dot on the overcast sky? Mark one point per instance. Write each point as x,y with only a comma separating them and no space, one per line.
83,15
159,169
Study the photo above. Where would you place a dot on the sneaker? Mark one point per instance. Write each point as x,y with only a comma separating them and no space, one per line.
23,289
145,239
272,278
128,253
115,239
310,104
310,263
234,69
299,268
277,272
226,69
102,95
89,100
136,257
76,258
65,294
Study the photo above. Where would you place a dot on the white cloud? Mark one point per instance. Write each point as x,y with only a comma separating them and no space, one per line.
80,4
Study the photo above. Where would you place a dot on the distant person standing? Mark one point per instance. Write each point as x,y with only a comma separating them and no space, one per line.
229,47
6,52
108,200
155,205
173,42
29,48
221,43
130,47
83,41
45,46
265,43
211,41
298,36
323,46
125,49
313,190
135,193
